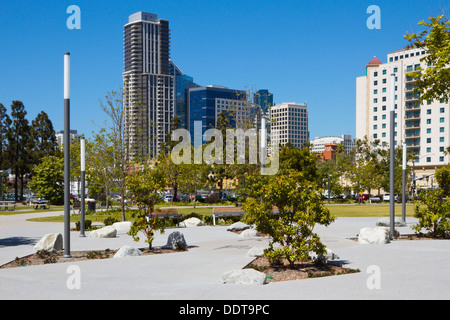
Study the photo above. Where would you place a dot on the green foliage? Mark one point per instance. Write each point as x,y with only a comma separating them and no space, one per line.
145,183
87,225
442,176
434,82
110,221
433,212
48,179
300,209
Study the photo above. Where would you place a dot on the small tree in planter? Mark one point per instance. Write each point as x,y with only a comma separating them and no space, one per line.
433,211
144,184
300,209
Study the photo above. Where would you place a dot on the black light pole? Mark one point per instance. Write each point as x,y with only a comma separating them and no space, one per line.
67,155
83,187
392,159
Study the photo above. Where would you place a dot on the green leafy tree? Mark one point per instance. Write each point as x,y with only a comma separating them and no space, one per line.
434,82
48,179
442,176
20,146
300,209
145,184
44,137
433,212
5,123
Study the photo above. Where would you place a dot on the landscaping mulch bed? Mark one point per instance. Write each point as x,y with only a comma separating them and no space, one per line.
298,271
45,257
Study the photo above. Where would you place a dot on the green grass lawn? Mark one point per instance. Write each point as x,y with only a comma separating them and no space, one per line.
338,210
368,210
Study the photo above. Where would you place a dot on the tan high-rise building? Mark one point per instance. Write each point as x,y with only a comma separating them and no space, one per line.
423,127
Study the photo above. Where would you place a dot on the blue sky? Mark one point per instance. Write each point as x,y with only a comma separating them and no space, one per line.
299,50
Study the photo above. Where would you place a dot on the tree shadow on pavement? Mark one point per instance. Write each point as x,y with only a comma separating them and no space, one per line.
17,241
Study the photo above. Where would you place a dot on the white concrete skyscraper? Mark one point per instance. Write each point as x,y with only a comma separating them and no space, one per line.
148,84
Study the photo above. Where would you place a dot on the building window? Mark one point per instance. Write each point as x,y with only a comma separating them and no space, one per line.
383,117
375,127
428,111
428,121
441,110
441,149
429,130
428,159
441,139
375,118
441,159
428,150
375,135
428,140
383,126
441,129
375,109
441,120
383,135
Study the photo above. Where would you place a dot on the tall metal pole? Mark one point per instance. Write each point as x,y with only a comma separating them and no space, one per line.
83,187
67,155
263,150
392,159
404,184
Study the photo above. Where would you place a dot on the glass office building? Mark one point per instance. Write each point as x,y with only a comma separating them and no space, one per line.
206,103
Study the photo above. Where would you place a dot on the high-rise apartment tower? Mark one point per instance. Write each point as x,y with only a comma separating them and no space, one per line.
148,84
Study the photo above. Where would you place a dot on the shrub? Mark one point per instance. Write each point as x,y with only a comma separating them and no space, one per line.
300,208
87,225
110,220
433,212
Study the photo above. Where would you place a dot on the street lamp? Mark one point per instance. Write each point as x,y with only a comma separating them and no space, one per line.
67,155
392,158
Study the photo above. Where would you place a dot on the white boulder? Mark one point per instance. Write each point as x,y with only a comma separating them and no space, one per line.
191,222
105,232
122,227
373,236
256,252
127,251
249,233
50,242
244,276
238,226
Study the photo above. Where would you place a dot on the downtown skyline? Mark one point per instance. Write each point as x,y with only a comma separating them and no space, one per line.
299,52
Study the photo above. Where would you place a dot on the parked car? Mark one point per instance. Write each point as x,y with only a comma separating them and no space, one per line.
374,199
387,197
362,197
167,198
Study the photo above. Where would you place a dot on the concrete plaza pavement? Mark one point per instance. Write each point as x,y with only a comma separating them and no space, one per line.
417,269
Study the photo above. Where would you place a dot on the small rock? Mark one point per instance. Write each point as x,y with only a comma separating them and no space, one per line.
127,251
50,242
174,238
238,226
244,276
191,222
373,236
249,233
105,232
122,227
